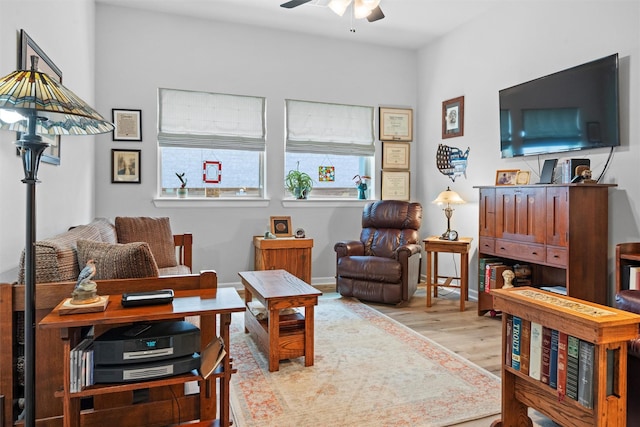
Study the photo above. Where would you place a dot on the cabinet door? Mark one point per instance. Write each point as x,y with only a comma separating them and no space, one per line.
520,214
487,212
557,216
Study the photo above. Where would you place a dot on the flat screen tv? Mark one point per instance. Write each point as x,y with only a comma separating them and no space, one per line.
574,109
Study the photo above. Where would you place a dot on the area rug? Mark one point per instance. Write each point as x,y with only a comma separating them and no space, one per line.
369,370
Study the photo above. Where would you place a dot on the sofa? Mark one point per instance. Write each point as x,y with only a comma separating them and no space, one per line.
131,254
629,300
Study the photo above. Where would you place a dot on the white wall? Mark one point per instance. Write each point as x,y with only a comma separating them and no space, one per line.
141,51
511,45
65,194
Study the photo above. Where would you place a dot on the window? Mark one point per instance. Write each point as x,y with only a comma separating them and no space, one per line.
216,140
332,143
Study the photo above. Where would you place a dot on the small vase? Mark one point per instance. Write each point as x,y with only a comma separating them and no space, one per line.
182,192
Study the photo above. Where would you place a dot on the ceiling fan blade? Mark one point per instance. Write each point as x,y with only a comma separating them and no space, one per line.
293,3
375,15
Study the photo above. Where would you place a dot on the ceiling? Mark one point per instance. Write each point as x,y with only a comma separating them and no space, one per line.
408,24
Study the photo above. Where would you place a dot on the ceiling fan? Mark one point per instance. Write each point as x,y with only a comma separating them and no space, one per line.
369,9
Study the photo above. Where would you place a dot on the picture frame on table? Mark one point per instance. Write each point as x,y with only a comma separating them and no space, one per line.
395,185
125,166
396,124
128,124
453,117
523,177
506,176
281,226
29,48
395,155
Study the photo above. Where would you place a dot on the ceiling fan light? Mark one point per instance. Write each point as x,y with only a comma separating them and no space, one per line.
339,6
362,8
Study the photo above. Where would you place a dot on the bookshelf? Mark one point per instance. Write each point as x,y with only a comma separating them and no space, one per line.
627,255
606,329
559,230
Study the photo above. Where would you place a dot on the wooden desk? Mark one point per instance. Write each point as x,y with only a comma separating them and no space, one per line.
209,304
284,253
434,245
277,290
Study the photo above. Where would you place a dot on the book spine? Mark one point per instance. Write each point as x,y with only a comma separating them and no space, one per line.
573,345
585,374
634,278
487,279
553,360
546,355
509,343
525,346
535,351
515,344
562,364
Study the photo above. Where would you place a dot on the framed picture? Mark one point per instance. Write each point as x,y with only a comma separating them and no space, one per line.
281,226
453,117
522,178
396,124
128,125
395,185
395,155
506,176
125,166
29,48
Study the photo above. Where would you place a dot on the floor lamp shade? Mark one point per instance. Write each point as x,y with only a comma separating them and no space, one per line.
33,104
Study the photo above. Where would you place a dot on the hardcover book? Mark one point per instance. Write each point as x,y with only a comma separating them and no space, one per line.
482,271
546,355
553,360
573,345
507,354
525,346
487,277
585,374
562,364
515,342
535,351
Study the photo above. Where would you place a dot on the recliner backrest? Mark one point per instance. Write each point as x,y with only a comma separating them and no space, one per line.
389,224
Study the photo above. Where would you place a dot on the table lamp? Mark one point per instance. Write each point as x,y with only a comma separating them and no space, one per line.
33,104
449,197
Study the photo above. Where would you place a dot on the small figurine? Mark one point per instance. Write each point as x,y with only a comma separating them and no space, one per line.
508,276
86,290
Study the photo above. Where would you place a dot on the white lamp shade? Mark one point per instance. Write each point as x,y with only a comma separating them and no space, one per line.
449,197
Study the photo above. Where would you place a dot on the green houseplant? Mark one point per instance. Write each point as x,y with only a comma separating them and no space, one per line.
183,190
298,183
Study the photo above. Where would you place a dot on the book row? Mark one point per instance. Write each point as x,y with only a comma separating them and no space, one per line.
490,273
563,362
81,363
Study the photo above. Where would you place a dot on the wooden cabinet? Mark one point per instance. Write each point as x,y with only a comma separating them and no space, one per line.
627,254
561,230
608,329
290,254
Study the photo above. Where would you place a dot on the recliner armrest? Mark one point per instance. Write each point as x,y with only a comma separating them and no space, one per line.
349,248
628,300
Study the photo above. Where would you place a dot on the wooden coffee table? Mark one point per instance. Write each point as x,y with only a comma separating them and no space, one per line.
281,336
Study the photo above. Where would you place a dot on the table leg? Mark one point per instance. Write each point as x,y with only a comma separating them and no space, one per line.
428,278
225,321
274,339
308,335
247,299
464,280
435,275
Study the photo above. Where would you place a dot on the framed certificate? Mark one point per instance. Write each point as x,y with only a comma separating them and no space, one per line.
396,124
395,185
395,155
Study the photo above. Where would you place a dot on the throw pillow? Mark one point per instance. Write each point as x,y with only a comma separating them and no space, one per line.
117,260
155,231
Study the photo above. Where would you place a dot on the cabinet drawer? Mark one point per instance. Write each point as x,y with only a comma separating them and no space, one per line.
521,251
557,256
487,245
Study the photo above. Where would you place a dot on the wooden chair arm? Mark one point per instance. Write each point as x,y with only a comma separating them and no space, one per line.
184,243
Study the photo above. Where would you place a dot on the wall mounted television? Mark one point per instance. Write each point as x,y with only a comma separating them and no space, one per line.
573,109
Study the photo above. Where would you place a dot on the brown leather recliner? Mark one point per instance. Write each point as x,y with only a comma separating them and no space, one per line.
384,265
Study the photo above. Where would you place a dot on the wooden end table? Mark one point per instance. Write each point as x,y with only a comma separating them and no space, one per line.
434,245
277,290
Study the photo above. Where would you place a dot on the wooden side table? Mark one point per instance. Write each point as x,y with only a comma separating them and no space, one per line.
434,245
285,253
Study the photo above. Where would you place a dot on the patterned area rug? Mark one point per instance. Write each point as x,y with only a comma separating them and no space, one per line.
369,370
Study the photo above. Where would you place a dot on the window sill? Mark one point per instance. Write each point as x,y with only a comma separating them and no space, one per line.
325,203
204,202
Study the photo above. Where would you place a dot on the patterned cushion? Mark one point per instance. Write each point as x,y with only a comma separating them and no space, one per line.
155,231
118,261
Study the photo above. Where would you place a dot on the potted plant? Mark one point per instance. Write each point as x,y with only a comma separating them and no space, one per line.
298,183
183,190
